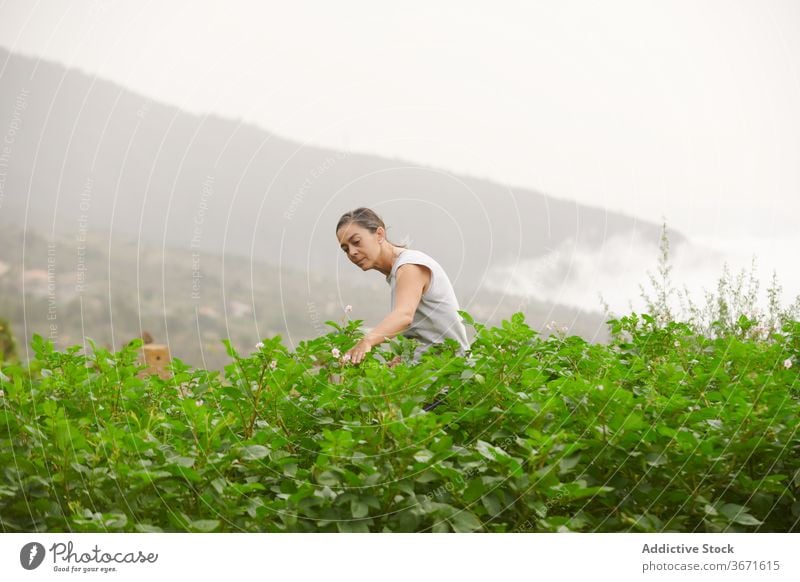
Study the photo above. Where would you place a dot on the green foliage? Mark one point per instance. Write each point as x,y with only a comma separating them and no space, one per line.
733,310
664,429
8,345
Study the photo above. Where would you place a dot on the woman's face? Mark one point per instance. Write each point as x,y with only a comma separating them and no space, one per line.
360,245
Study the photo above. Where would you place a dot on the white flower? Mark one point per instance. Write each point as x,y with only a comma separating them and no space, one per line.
346,358
787,363
348,308
564,329
259,345
2,394
335,352
273,364
198,402
677,344
600,387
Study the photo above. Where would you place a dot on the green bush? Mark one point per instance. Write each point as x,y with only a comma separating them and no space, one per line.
8,345
733,310
664,429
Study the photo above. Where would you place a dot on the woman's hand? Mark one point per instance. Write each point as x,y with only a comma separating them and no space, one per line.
356,354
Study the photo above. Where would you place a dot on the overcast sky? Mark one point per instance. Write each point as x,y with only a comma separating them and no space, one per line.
682,110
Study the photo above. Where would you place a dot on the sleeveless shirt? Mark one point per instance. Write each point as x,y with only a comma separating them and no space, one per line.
436,317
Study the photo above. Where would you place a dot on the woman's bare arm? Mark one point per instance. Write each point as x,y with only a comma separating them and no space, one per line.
411,280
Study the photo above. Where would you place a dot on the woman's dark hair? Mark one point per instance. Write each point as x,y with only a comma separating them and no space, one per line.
366,218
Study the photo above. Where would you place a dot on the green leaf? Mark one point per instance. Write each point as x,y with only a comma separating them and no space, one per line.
423,456
474,490
738,514
464,521
147,528
747,519
466,317
352,527
185,472
359,509
731,510
492,505
182,461
427,476
204,525
254,452
485,449
568,463
328,478
229,349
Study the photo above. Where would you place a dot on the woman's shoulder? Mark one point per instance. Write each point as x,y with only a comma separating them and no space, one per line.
412,254
415,256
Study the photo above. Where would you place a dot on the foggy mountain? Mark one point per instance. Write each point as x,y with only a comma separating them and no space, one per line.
151,170
167,199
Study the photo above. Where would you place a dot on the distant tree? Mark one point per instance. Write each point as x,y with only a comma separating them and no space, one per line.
8,345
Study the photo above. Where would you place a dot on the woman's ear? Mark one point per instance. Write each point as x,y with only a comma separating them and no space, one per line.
381,233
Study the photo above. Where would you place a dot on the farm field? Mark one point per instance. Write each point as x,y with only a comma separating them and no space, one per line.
663,429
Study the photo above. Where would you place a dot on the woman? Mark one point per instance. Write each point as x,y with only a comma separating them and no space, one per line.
423,304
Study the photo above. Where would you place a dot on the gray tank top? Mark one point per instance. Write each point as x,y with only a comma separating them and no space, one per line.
436,317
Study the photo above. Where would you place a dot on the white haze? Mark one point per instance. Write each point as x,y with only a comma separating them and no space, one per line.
685,109
574,276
